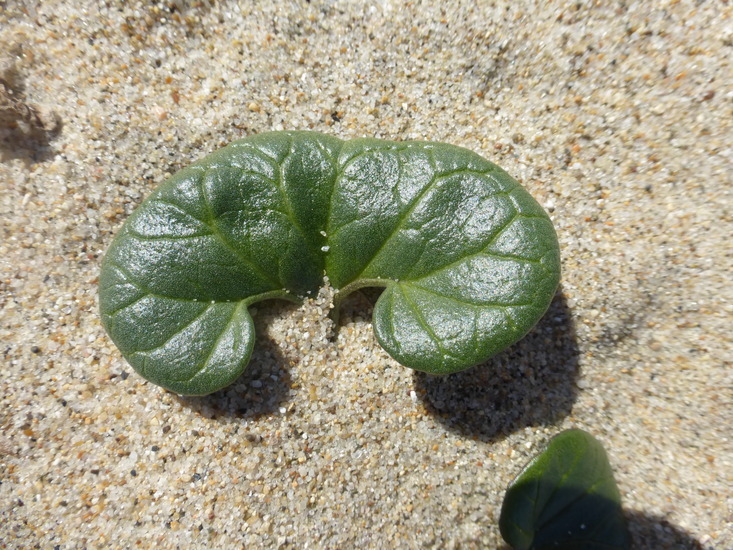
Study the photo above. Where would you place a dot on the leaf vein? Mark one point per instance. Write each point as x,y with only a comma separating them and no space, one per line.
340,173
424,324
212,350
152,238
461,301
412,206
234,250
176,332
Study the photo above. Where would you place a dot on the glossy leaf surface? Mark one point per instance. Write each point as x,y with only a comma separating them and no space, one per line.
469,261
565,498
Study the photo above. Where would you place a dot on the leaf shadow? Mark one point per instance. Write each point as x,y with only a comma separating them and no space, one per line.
532,383
26,133
650,532
261,390
31,146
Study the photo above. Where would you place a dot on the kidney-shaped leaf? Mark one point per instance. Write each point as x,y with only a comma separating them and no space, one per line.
468,260
565,498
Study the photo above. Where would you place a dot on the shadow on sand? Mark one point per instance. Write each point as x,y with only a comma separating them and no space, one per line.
650,532
532,383
261,390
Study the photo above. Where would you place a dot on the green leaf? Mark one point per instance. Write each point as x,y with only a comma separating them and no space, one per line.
469,261
565,498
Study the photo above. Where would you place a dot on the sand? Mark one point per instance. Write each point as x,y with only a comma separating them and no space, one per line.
616,116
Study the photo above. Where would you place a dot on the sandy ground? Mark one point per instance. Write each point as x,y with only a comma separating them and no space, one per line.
617,116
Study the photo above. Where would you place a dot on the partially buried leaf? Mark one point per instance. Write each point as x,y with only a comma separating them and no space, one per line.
565,498
468,260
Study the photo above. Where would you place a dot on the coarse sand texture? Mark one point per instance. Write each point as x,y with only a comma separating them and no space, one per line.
617,117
